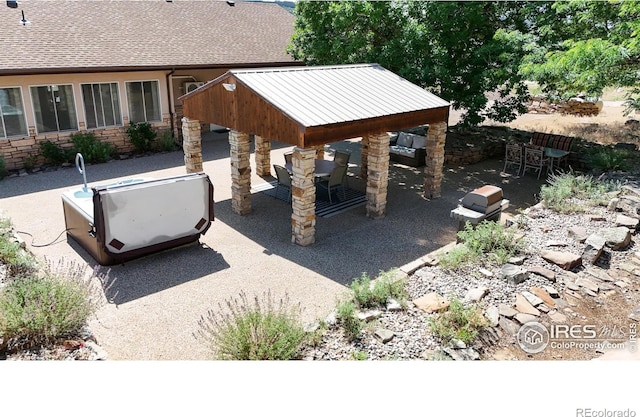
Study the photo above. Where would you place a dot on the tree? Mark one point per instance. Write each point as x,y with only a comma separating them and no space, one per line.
586,46
457,50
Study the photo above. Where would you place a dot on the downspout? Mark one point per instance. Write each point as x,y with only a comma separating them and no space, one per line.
170,91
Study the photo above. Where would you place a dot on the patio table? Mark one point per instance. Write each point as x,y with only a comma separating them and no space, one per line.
554,154
323,168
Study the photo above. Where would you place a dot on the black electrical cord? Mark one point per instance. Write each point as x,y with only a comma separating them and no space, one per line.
46,244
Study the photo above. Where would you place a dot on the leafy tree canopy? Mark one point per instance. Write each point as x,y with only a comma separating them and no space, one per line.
458,50
585,46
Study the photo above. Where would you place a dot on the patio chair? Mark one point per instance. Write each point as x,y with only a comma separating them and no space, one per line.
335,179
341,158
288,158
513,156
284,180
534,158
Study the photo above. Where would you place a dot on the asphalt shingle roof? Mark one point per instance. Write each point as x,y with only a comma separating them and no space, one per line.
120,34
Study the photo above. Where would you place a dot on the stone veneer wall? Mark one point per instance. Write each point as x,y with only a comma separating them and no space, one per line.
25,151
303,194
192,145
436,137
240,150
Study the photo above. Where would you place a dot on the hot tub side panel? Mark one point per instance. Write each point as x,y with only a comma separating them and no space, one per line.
82,230
115,251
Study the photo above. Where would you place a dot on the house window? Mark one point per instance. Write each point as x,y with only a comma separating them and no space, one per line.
12,117
144,101
101,105
54,108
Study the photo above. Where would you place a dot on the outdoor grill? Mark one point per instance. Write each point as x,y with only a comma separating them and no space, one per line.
484,203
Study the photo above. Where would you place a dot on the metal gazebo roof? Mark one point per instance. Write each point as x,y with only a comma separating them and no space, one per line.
308,106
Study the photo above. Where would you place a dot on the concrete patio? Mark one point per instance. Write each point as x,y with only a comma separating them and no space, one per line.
159,299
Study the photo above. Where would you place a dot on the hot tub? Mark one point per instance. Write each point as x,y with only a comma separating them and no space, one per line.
123,220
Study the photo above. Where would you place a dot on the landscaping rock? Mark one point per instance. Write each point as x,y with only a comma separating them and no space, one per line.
508,326
507,311
524,306
476,294
383,335
543,272
594,245
552,291
564,260
516,260
588,284
626,221
393,305
557,317
523,318
535,301
514,274
635,314
555,243
631,268
544,296
467,354
617,238
369,315
492,313
578,233
485,272
432,302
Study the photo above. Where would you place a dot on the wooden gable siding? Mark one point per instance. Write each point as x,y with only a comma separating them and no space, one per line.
241,110
320,135
211,104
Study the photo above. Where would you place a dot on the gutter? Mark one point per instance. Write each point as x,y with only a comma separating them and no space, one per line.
86,70
170,95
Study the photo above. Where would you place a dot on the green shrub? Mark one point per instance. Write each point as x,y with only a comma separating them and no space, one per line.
607,159
348,319
262,329
18,261
166,142
489,241
569,193
92,149
359,355
39,309
458,322
3,169
30,162
368,294
141,136
55,154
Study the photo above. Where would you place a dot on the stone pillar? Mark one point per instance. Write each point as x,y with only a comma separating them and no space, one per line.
240,172
364,154
377,174
319,151
436,137
192,145
263,156
303,196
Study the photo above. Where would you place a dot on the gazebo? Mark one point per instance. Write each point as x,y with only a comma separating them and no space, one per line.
309,107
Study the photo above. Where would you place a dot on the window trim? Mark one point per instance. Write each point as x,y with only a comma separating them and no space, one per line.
159,99
24,112
33,109
84,106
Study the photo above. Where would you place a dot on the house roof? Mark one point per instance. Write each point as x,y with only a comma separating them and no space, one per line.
313,105
99,35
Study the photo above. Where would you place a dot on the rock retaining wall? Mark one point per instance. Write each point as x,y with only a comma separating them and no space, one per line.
575,106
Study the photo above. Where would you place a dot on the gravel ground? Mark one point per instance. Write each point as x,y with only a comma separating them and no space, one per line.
542,229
